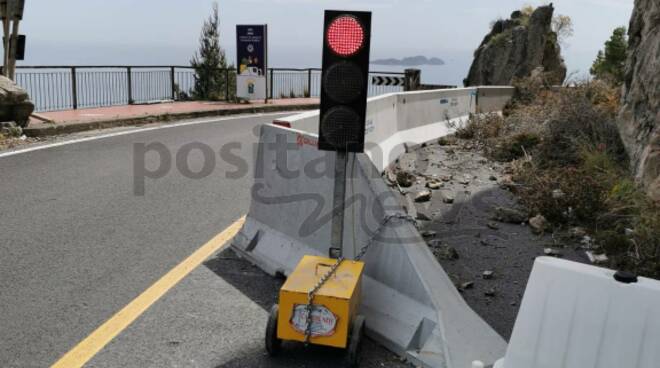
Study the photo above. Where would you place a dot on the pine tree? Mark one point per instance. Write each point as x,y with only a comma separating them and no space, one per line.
610,64
597,66
210,62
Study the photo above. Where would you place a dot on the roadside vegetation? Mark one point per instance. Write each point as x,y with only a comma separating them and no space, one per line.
12,136
610,63
567,163
562,25
213,79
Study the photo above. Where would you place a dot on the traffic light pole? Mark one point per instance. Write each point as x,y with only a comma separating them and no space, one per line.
343,110
13,44
4,10
338,206
11,12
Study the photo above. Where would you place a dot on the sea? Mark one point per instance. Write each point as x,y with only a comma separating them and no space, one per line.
52,92
457,63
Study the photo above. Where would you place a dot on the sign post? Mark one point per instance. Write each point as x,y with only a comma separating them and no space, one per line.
4,13
252,62
11,13
344,82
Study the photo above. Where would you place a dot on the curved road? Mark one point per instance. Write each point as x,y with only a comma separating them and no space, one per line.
78,243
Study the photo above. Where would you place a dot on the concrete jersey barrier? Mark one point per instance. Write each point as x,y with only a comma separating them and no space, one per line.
408,118
411,305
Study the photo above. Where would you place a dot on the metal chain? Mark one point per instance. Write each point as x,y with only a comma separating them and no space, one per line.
385,221
312,293
333,269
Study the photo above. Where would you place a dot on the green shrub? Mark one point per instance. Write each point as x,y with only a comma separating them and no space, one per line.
516,146
582,195
500,38
481,127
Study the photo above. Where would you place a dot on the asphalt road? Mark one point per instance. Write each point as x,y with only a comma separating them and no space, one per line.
77,244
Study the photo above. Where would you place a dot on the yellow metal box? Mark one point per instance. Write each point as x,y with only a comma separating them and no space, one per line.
335,303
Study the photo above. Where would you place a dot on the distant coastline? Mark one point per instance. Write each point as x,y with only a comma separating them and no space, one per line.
409,61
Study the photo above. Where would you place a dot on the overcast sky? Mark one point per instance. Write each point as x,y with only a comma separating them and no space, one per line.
166,31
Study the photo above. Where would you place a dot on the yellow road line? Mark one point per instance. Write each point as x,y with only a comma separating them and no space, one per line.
92,344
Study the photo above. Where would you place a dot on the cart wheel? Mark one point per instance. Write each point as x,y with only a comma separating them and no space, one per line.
272,342
355,342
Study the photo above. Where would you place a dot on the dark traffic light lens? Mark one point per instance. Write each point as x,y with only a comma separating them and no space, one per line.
345,35
343,82
341,126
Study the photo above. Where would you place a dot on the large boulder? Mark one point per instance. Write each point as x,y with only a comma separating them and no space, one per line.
15,103
639,121
516,47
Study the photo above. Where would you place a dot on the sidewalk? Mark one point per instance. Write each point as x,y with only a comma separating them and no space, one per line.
71,121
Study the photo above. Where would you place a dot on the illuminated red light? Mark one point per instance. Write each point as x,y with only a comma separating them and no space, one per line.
345,36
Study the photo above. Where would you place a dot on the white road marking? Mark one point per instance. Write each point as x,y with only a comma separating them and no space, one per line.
134,131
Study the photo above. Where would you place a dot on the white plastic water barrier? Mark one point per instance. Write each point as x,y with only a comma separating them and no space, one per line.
579,316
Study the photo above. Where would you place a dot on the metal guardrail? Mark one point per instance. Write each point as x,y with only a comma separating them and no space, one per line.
291,83
54,88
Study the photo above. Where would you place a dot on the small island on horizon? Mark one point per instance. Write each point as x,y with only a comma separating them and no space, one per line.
410,61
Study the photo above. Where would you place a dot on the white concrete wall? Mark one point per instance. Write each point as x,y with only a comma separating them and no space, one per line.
493,98
397,119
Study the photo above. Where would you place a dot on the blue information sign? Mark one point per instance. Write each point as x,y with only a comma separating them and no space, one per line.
251,61
251,47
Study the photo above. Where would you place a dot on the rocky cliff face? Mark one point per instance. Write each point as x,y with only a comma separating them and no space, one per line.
639,121
516,47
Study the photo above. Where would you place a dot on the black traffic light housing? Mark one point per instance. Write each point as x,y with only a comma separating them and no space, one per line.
20,46
344,80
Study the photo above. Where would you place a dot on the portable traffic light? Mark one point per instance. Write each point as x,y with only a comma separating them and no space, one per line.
344,80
